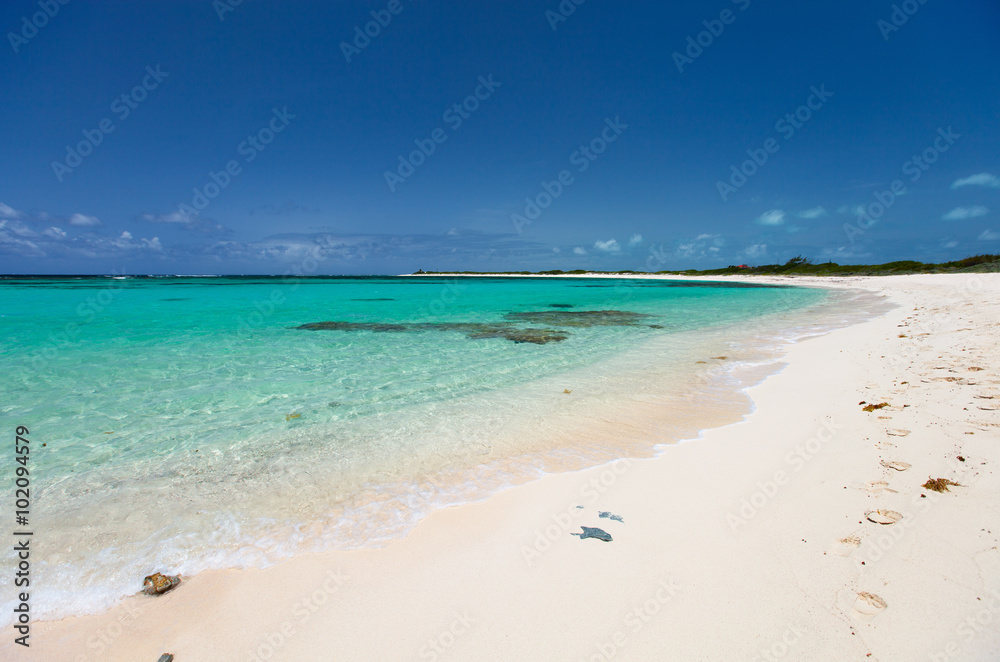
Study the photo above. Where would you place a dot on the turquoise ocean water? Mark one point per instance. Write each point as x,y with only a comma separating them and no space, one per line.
190,425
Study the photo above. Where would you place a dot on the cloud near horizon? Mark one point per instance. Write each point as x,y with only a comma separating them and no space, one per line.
702,246
8,212
852,210
963,213
814,213
178,218
772,217
84,221
982,179
77,220
18,238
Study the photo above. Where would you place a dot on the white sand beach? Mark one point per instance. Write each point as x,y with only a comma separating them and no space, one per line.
756,541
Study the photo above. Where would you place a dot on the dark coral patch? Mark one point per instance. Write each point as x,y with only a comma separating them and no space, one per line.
507,330
580,318
471,330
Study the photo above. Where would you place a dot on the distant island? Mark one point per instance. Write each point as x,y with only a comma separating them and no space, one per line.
797,266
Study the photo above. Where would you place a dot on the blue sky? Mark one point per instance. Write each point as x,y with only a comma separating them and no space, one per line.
266,137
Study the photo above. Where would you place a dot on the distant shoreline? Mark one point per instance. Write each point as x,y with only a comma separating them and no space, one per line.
798,266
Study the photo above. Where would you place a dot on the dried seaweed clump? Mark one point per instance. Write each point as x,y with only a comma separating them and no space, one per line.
880,405
939,484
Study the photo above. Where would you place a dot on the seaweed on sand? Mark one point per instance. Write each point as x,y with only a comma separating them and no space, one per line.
939,484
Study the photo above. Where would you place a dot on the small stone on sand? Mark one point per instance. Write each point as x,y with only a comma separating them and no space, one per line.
158,583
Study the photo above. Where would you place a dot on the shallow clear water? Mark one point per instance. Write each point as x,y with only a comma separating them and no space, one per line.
189,425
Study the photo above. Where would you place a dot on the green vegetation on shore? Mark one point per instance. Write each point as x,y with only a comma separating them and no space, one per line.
797,266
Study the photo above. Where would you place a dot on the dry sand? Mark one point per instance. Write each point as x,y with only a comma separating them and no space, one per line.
749,543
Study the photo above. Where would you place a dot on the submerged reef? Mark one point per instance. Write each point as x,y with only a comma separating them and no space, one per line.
580,318
473,331
508,330
354,326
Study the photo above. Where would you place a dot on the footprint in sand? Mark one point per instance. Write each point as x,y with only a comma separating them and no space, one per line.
879,486
869,604
845,546
897,432
896,466
883,517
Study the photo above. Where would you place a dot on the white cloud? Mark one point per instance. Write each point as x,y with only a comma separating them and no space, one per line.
609,246
951,244
853,210
962,213
982,179
579,251
635,240
18,238
177,217
847,252
18,228
701,246
127,242
196,223
325,246
8,212
772,217
756,250
989,235
82,220
815,212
